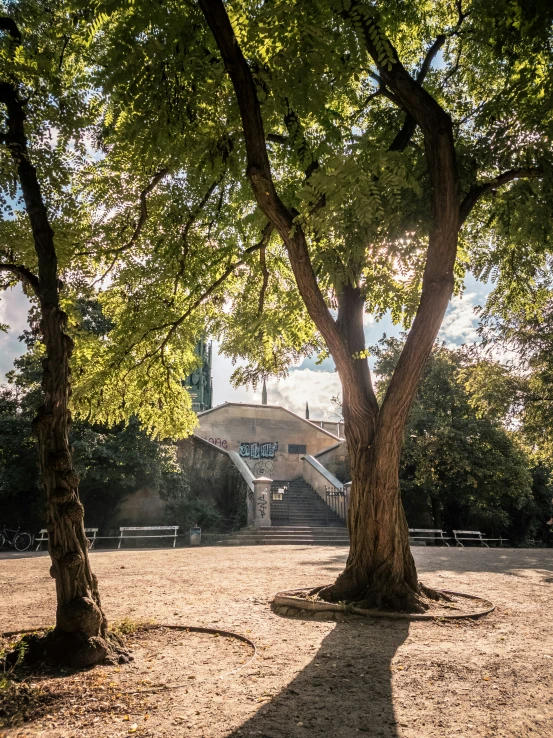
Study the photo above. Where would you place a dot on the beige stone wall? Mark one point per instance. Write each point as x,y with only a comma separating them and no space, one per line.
334,426
231,424
335,459
211,475
206,468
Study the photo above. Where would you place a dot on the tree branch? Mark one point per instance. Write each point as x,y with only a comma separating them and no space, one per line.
410,124
143,217
9,25
24,274
265,272
278,138
284,220
478,190
404,136
43,235
173,325
437,284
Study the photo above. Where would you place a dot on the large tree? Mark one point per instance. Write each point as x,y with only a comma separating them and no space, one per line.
380,568
48,105
375,138
36,93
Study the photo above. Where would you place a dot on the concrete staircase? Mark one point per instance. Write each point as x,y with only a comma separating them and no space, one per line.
285,535
302,518
301,507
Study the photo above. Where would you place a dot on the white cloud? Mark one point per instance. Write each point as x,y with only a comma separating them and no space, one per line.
461,322
301,386
13,311
306,385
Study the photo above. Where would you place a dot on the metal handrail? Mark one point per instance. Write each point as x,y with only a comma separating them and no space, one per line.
337,501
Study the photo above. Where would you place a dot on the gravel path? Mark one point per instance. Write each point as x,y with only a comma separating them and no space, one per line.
392,679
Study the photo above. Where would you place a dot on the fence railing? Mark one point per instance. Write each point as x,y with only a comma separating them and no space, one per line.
337,501
280,505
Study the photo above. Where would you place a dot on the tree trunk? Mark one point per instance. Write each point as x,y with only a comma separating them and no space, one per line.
436,512
81,626
380,570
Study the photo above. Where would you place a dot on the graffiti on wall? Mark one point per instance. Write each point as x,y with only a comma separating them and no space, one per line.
262,468
222,442
257,450
262,505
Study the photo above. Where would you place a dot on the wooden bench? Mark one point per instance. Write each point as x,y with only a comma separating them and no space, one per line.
172,535
43,537
427,534
469,535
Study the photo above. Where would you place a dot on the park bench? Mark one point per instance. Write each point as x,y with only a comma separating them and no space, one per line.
43,537
427,534
476,537
473,536
172,535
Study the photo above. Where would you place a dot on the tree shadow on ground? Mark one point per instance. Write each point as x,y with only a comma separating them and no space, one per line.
345,691
509,561
428,559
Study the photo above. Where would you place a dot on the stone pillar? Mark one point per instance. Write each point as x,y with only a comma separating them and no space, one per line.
262,502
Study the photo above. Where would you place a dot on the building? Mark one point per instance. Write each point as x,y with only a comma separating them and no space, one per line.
200,384
260,465
270,439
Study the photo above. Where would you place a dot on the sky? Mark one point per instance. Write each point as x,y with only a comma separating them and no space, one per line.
318,384
305,383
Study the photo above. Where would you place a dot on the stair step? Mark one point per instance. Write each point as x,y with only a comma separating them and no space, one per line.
291,540
303,508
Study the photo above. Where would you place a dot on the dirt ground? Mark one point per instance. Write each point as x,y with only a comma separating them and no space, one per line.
391,679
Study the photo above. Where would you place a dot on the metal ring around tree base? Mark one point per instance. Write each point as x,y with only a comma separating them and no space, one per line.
288,599
161,626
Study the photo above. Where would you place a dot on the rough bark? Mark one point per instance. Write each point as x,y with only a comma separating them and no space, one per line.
81,627
380,570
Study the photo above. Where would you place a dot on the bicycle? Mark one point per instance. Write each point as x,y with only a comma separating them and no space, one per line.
19,539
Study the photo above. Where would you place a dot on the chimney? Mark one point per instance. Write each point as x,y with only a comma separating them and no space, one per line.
307,411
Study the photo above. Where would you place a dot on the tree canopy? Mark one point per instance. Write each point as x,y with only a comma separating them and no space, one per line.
346,159
270,173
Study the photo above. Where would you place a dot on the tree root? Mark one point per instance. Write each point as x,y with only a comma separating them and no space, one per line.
393,599
68,649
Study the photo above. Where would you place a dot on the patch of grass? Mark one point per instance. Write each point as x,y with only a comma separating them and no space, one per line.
127,626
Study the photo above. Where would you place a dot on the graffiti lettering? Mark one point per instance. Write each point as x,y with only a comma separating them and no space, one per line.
219,442
262,504
257,450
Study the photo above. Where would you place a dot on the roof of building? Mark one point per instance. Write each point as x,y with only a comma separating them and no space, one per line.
269,407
